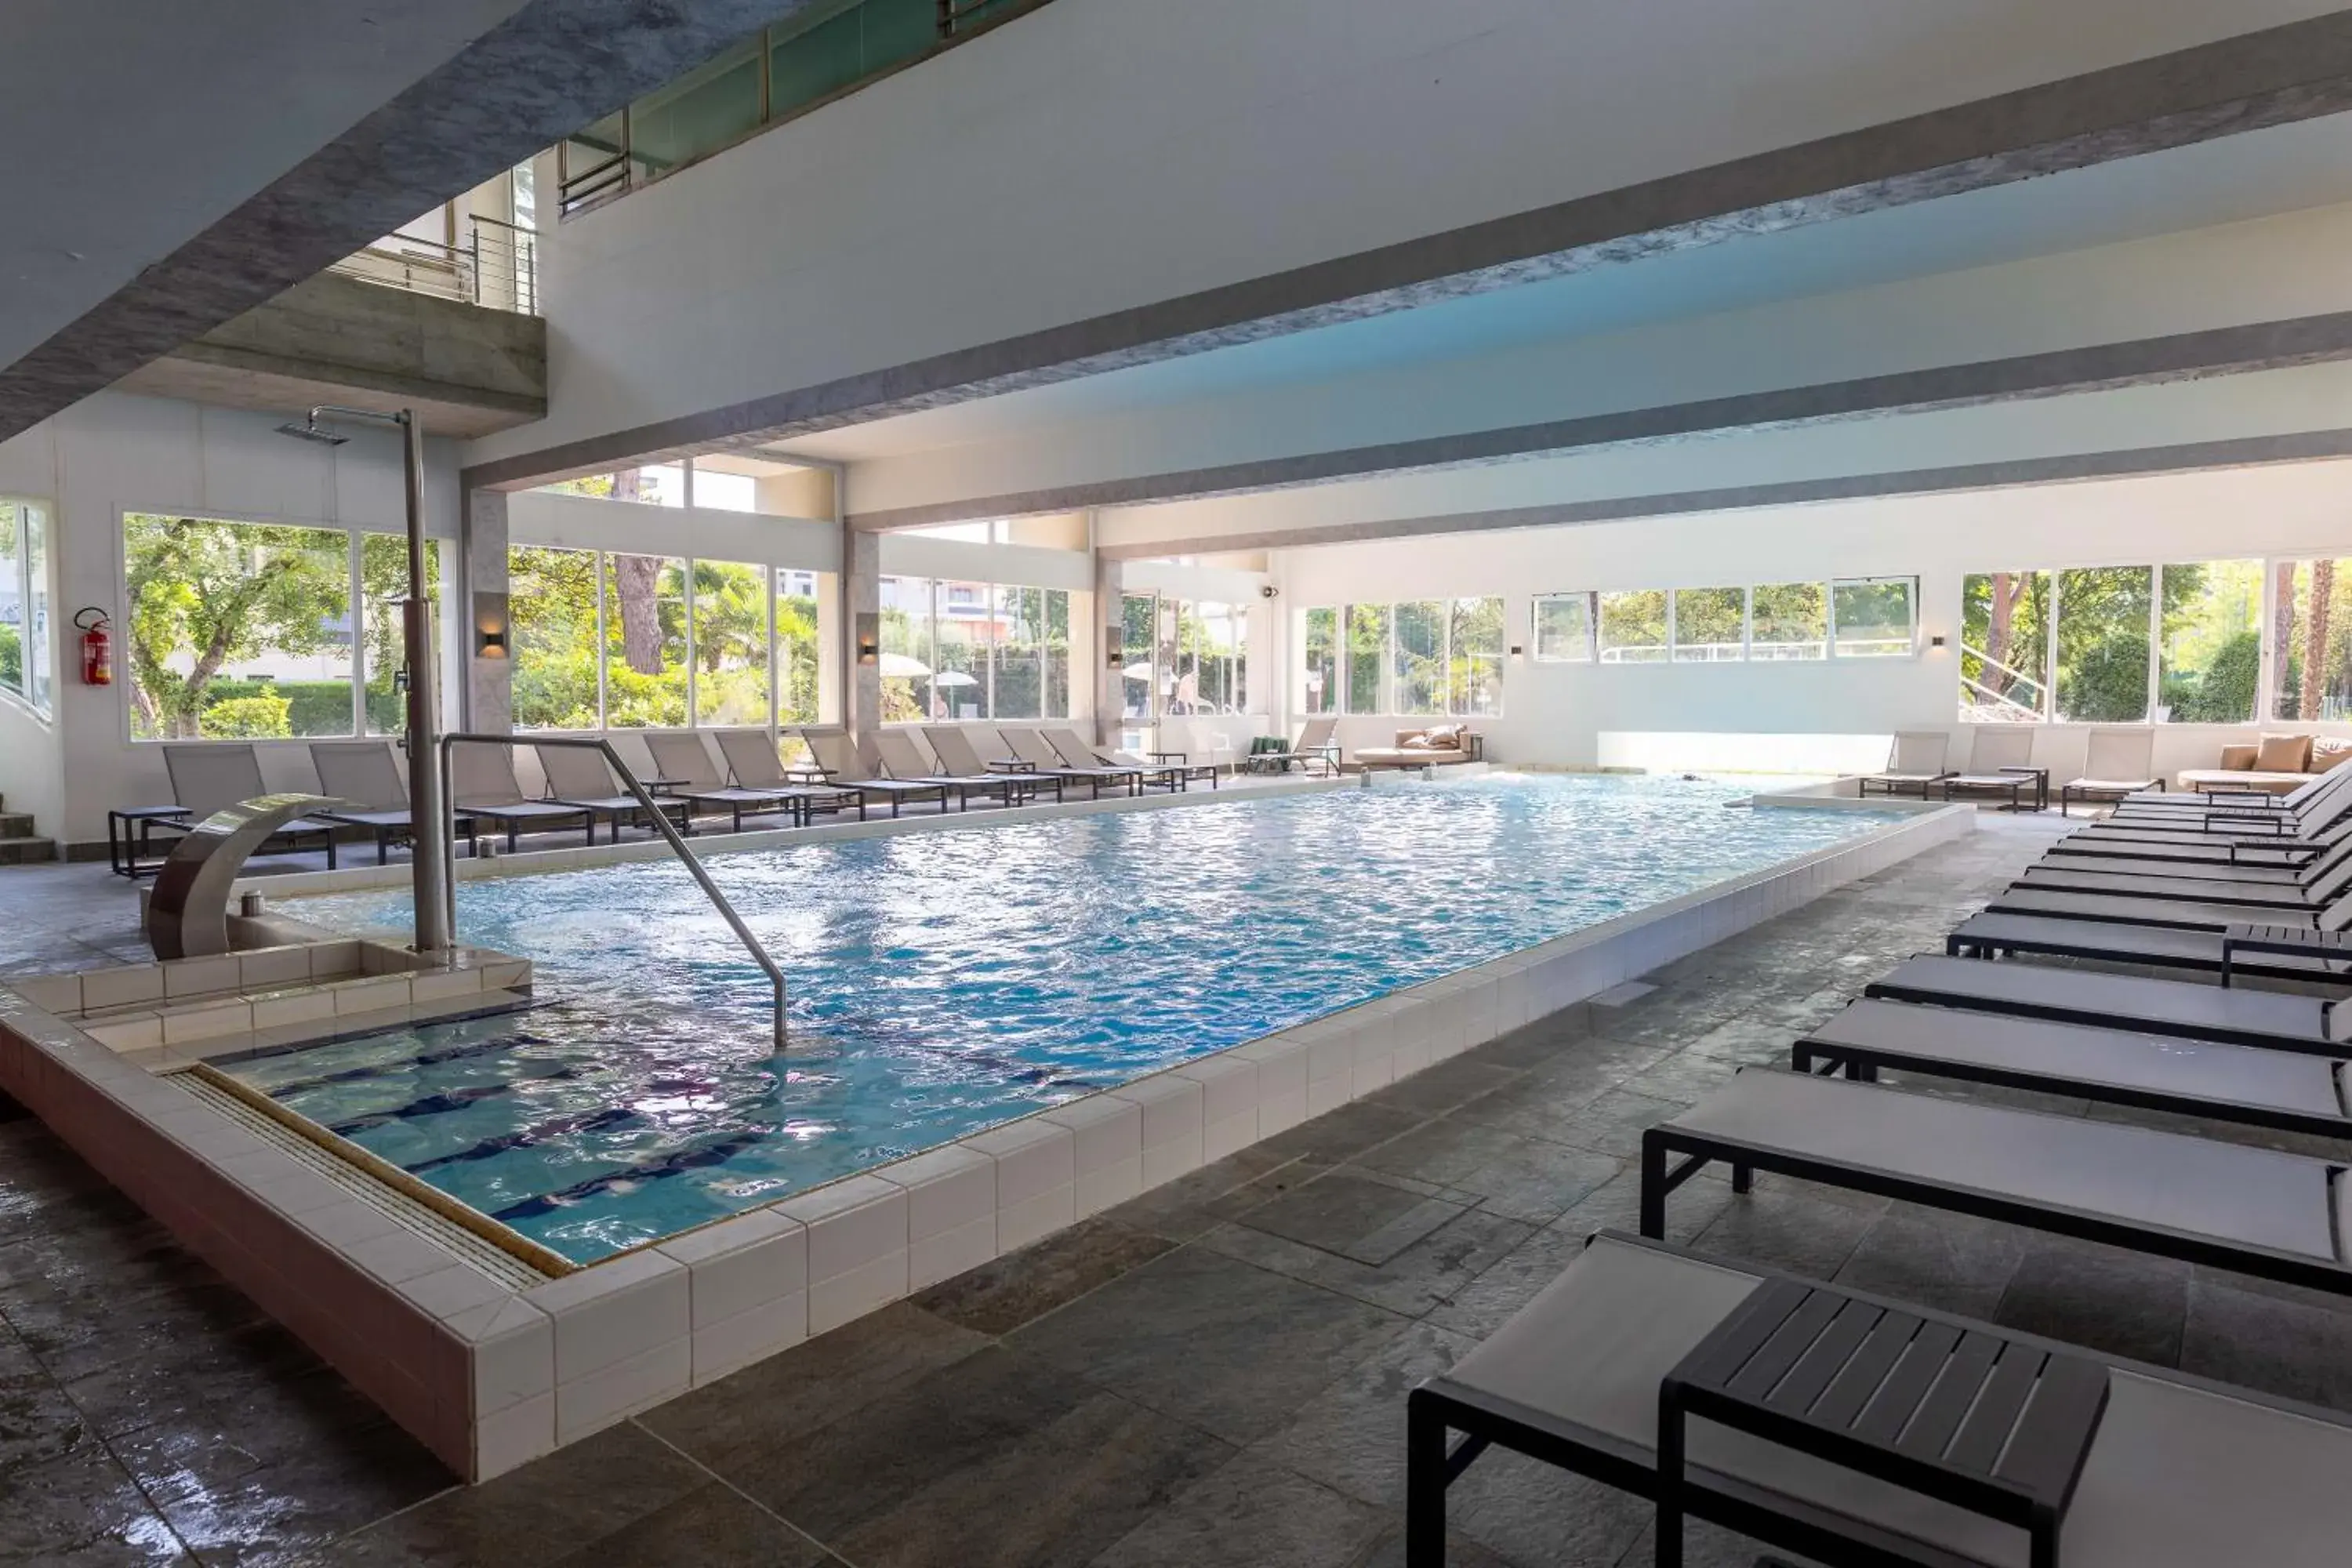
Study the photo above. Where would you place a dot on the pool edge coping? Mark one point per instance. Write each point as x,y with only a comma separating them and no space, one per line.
490,1377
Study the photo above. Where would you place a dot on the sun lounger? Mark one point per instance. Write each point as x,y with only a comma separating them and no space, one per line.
483,785
361,772
2180,1472
2185,914
2279,865
2287,1091
2225,800
2225,1205
2000,760
964,762
905,763
2325,810
1030,749
2192,1008
582,778
1992,935
682,760
1317,746
1914,763
2117,765
2218,884
843,771
206,777
754,764
1075,751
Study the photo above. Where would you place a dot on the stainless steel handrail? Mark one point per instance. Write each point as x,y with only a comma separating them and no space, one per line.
660,820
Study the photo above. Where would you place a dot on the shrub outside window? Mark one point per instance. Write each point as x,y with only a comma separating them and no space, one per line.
1633,626
1874,617
1788,621
1710,624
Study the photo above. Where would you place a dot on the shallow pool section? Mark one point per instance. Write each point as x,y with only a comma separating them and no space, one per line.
943,982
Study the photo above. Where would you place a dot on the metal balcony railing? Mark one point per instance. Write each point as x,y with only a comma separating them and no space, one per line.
497,267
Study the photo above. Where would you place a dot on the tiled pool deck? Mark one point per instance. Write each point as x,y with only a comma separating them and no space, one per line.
1211,1375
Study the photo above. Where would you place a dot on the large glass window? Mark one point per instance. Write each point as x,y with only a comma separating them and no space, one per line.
645,642
907,651
1474,640
2311,640
731,643
1633,626
237,630
964,626
1419,674
2209,653
1215,635
1320,662
1873,616
1563,629
798,663
1017,684
39,645
552,622
1710,624
1368,658
2103,644
2004,647
383,648
1788,621
1138,615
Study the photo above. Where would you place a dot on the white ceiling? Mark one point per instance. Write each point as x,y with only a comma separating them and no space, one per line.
2230,179
133,125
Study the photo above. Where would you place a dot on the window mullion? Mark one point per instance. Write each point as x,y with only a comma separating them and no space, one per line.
604,653
356,611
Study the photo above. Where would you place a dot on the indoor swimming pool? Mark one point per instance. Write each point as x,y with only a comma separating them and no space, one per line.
942,982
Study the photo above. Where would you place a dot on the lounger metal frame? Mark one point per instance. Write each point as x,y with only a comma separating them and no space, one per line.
1440,1408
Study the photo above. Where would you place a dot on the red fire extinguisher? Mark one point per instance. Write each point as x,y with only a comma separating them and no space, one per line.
96,647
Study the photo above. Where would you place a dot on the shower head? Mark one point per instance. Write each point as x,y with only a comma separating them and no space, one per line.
311,430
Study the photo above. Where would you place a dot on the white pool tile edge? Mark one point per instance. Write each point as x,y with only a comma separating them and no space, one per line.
490,1378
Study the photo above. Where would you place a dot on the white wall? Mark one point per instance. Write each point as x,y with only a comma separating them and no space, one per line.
113,454
1582,714
1102,155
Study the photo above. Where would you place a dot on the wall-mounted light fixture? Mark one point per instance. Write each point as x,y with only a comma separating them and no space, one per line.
491,644
1936,642
1519,654
868,651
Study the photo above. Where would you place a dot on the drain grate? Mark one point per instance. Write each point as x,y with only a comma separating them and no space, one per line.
400,1208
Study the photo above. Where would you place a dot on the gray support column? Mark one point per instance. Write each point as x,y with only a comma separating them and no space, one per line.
861,620
1110,651
486,696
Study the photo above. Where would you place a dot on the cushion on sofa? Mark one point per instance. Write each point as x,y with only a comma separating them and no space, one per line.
2238,759
2327,751
2283,754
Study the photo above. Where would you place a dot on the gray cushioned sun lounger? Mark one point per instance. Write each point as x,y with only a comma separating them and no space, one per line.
2199,849
1995,935
2193,1008
842,770
906,765
964,762
1031,749
2185,914
361,772
582,778
207,777
2226,1205
683,760
2291,1091
2275,867
2217,889
482,784
2182,1473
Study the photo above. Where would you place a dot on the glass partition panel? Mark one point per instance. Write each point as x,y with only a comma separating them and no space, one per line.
2103,644
1474,684
2311,641
1320,663
383,590
2004,647
237,630
40,678
645,642
1788,621
701,111
1873,617
1217,646
731,643
1137,616
551,633
964,625
1368,658
1420,669
907,651
797,660
1563,629
2210,660
1710,624
1178,688
1633,626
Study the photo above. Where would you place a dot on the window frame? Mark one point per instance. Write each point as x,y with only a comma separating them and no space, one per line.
1589,599
36,646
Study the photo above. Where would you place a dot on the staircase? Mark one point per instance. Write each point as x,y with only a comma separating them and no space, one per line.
19,846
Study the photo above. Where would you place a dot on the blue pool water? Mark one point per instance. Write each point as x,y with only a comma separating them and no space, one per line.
944,982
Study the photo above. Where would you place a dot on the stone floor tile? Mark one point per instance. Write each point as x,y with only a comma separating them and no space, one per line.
2102,1297
1708,1545
1229,1347
1616,1205
38,1423
1949,1262
1247,1511
1342,1134
2291,1348
1778,1227
830,1378
1435,1091
1533,1179
81,1511
712,1527
1534,1515
1414,1282
1350,1436
1613,1123
1001,1295
1487,1302
1347,1213
1461,1552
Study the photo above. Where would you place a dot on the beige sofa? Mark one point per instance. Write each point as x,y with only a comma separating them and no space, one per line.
2277,765
1419,748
